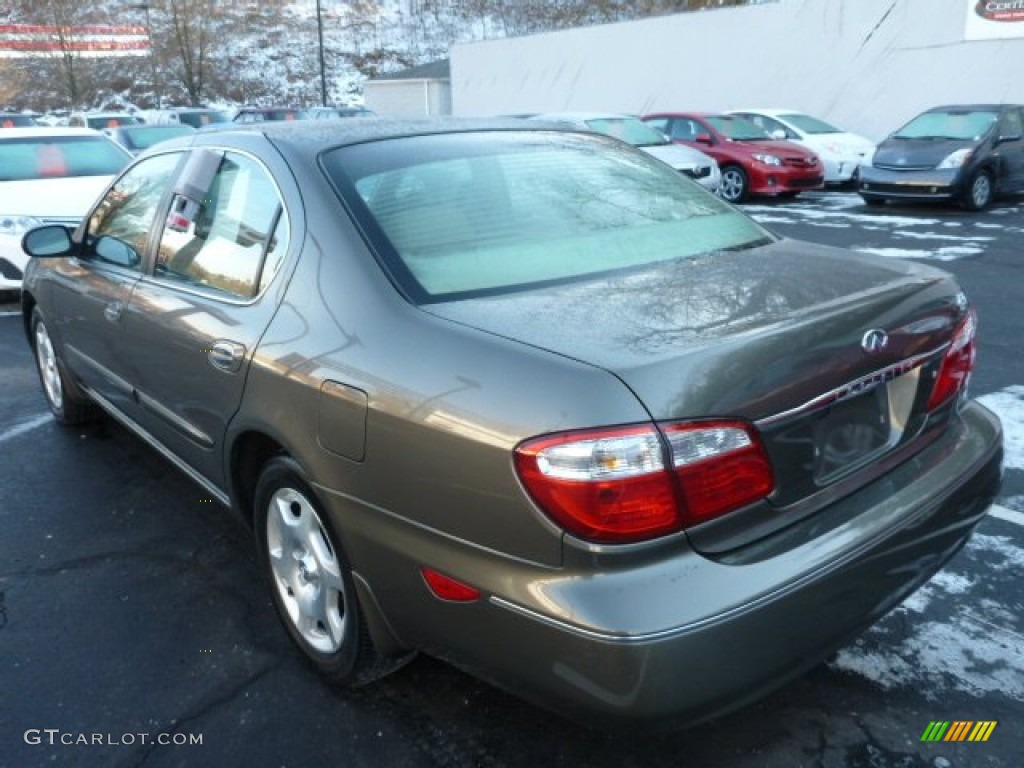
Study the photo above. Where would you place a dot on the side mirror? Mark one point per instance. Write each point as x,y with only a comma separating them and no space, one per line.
1008,137
114,251
703,138
51,240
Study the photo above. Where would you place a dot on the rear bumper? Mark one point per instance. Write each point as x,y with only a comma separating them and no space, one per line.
910,185
620,636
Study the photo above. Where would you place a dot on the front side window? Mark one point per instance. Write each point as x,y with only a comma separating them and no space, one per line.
119,226
484,213
230,241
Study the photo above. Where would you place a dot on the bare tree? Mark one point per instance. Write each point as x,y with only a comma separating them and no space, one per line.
191,25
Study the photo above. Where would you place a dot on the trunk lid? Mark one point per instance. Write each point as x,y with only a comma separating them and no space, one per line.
784,335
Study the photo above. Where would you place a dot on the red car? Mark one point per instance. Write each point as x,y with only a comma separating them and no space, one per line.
752,162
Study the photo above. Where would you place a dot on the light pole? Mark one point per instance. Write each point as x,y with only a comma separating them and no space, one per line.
144,7
320,40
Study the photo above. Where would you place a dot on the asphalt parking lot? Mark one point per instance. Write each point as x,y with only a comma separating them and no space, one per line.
132,612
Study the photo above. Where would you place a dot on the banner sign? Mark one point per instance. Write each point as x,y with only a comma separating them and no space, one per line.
44,41
994,19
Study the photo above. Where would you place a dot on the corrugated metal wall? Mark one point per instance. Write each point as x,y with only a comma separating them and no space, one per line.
867,65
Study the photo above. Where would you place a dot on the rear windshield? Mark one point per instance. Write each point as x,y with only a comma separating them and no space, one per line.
59,156
965,125
469,214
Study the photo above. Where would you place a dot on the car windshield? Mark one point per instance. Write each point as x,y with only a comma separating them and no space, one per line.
963,124
737,128
470,214
809,124
59,156
629,130
16,121
145,136
99,122
199,119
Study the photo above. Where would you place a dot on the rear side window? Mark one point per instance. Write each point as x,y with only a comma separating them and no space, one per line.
470,214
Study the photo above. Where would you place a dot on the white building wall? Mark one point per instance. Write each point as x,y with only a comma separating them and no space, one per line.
408,98
867,65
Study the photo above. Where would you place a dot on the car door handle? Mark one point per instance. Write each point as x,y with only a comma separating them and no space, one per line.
226,355
113,311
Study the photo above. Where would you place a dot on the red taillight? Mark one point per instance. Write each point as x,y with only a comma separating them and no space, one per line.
957,363
601,485
613,485
721,466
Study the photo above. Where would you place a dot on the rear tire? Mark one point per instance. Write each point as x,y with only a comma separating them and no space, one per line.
68,404
734,184
310,578
979,192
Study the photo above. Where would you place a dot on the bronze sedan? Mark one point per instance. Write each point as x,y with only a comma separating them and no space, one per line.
524,399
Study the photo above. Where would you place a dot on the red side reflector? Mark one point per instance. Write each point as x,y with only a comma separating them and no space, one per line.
447,588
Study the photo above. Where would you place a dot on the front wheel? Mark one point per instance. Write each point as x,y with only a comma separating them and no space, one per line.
68,404
310,579
979,192
734,184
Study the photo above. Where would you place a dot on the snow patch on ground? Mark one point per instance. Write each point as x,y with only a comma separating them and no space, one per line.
949,253
976,651
937,236
1008,405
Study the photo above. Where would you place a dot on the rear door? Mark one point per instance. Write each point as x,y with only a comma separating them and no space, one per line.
194,322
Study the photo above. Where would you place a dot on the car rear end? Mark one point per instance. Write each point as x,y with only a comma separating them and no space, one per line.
748,448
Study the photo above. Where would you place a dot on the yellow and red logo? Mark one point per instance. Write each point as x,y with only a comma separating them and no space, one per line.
959,730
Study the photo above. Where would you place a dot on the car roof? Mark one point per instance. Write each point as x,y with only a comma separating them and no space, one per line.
581,116
42,131
773,112
316,135
983,107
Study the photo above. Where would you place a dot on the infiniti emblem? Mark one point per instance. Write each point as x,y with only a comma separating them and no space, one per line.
874,341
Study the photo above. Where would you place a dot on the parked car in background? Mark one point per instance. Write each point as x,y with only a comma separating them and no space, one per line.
688,161
101,120
841,152
524,398
16,120
197,117
969,154
752,162
136,138
268,114
334,113
48,175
